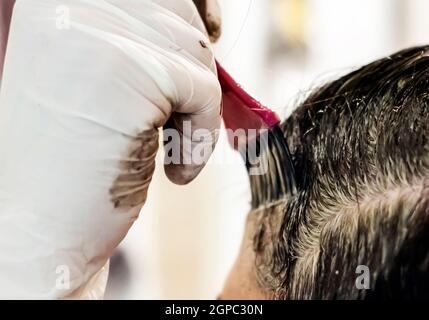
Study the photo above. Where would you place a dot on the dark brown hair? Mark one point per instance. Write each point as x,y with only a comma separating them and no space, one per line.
361,152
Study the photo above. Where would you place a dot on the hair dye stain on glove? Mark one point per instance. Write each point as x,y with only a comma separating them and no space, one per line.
130,188
209,12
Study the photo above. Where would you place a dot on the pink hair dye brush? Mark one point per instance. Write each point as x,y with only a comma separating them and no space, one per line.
245,115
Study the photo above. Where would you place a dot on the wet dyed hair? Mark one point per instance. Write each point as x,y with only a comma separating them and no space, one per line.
360,146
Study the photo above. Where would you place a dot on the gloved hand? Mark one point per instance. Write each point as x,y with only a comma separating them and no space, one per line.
86,85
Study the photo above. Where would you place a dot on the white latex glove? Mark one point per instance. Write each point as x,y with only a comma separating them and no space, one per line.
80,105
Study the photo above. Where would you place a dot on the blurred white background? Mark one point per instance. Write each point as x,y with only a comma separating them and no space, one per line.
187,237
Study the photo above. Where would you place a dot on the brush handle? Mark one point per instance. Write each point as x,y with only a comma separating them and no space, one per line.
240,110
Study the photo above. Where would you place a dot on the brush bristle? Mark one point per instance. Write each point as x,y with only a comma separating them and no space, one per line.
278,180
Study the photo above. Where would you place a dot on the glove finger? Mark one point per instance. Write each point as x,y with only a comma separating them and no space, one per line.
175,27
196,124
187,10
